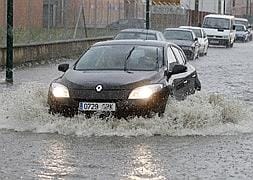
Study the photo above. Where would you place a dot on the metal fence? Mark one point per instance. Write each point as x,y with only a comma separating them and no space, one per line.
51,20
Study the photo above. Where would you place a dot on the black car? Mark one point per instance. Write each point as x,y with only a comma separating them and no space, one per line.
144,34
123,77
184,38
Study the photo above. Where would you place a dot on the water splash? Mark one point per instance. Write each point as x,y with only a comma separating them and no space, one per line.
24,108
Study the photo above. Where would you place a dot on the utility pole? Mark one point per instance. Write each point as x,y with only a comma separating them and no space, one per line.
224,7
9,57
250,8
147,14
247,8
48,14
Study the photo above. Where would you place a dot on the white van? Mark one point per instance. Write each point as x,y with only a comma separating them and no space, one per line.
220,29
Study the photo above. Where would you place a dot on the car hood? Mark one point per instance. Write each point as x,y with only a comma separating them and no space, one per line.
182,42
109,79
240,33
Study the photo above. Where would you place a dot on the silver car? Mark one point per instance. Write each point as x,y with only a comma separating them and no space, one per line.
202,38
143,34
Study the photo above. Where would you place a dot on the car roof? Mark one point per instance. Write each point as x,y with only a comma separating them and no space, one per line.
241,19
140,30
220,16
240,25
191,27
178,29
134,42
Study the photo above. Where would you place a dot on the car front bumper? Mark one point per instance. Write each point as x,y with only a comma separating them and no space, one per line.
124,107
217,41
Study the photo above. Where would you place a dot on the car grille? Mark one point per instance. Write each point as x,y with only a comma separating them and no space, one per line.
104,95
212,36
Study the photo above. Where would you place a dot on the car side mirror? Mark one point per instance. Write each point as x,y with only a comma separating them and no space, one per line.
196,39
168,73
249,26
233,27
179,68
63,67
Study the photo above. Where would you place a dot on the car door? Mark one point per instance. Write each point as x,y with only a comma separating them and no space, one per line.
183,83
176,81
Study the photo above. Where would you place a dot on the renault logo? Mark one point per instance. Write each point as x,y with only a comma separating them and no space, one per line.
99,88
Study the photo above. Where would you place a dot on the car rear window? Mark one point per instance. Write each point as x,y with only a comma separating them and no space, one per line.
134,35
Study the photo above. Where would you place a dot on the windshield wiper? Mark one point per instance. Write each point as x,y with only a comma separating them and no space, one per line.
127,58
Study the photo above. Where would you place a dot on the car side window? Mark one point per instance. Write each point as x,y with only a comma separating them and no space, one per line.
178,55
171,56
183,56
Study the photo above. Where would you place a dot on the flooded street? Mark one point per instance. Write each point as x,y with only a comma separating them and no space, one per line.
207,136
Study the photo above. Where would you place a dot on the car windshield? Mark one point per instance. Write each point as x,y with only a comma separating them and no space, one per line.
197,32
240,28
216,23
245,23
178,35
121,57
136,35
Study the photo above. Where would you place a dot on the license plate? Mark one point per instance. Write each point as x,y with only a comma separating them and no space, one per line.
92,106
214,41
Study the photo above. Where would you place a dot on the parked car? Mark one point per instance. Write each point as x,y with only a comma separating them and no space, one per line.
127,23
220,29
127,77
184,38
245,22
202,38
140,34
242,33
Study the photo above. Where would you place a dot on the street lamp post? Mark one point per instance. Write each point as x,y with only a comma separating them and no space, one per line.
224,7
9,57
147,14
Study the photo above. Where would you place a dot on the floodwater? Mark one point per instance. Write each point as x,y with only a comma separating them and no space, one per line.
207,136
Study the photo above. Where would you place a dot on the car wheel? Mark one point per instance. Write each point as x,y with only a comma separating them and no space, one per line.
192,57
161,109
197,84
228,45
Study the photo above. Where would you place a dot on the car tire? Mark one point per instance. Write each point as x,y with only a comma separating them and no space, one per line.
197,84
161,109
228,44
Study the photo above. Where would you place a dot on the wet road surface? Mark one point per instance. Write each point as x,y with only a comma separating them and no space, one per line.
207,136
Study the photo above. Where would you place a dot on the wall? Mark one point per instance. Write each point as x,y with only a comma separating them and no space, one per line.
47,51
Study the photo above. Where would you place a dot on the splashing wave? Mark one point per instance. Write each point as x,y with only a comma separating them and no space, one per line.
24,108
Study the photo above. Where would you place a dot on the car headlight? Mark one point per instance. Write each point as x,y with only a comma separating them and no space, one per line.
225,37
59,90
145,92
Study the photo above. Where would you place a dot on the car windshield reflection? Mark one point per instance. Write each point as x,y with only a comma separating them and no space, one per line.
118,57
178,35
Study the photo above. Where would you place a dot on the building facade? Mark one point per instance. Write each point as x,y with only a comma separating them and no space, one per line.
27,13
211,6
